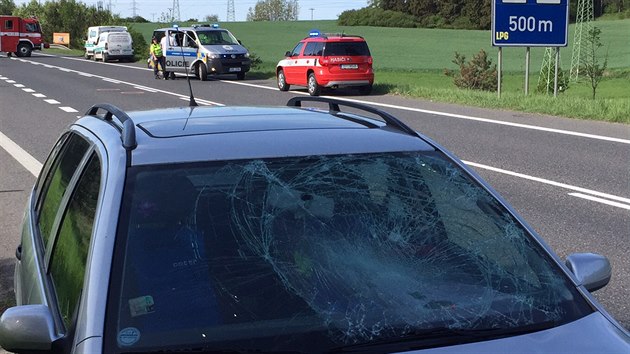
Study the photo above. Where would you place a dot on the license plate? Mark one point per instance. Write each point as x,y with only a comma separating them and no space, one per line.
234,69
349,66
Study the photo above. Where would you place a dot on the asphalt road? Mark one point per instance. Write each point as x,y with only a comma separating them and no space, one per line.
568,178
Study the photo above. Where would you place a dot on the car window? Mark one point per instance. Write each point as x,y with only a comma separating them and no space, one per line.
346,48
298,48
333,250
314,49
57,182
69,255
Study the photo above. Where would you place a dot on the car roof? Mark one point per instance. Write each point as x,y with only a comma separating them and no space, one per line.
334,38
193,134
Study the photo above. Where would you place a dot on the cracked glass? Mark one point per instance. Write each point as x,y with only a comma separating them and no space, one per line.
280,254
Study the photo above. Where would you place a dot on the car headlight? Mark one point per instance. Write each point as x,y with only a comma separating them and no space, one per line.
246,55
213,56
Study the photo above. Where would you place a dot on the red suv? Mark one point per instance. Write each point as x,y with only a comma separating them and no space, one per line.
327,60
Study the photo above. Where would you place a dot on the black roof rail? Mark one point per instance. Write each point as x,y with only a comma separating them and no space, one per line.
333,108
127,127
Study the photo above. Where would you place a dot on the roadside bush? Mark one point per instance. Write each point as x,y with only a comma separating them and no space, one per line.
372,16
140,45
256,61
546,79
478,74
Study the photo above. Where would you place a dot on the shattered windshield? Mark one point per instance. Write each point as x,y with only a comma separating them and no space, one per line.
280,254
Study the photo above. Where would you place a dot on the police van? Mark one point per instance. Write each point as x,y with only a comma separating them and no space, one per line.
93,35
203,50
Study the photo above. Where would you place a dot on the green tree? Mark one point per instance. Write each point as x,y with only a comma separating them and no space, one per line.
211,18
7,7
478,74
274,10
592,68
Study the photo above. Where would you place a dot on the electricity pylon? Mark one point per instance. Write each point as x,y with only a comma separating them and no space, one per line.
583,24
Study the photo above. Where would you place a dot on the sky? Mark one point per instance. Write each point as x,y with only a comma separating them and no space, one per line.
151,10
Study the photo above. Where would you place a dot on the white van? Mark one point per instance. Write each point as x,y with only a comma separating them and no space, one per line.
93,35
113,45
204,50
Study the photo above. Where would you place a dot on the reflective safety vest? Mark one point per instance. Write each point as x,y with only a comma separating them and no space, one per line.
156,49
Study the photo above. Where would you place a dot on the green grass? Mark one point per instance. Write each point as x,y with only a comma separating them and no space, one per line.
411,61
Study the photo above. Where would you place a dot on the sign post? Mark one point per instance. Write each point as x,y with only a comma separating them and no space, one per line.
530,23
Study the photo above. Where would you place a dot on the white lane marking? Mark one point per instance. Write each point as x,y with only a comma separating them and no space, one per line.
145,88
29,90
68,109
404,108
549,182
601,200
199,100
48,66
10,81
65,70
85,74
39,95
452,115
51,101
18,85
112,81
20,155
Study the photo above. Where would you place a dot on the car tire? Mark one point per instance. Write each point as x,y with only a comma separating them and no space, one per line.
312,86
282,81
172,75
202,72
365,90
24,50
105,57
94,57
86,56
240,76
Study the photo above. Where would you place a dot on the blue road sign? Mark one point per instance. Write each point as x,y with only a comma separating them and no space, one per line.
530,23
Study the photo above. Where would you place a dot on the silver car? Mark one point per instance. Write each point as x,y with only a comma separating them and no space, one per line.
285,229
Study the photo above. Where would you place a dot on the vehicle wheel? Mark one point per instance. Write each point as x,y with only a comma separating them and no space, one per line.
365,90
105,57
202,72
94,57
313,87
86,55
282,81
172,76
24,50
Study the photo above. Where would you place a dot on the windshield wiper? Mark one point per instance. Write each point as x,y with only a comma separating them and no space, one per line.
442,336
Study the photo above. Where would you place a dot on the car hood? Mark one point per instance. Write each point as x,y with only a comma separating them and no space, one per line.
225,49
591,334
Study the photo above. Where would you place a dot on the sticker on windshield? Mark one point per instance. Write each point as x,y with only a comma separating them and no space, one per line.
141,305
128,336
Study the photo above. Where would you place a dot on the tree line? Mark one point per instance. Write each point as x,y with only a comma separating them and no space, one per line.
460,14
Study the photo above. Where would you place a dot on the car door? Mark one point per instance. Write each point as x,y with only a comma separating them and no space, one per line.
57,230
290,67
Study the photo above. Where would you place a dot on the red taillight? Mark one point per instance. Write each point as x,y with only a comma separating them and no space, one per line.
369,60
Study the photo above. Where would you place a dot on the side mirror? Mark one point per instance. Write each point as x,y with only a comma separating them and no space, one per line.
592,270
27,328
287,54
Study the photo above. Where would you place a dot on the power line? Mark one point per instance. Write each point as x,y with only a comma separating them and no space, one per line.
231,14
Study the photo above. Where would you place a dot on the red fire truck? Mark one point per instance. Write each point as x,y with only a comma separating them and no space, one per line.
20,35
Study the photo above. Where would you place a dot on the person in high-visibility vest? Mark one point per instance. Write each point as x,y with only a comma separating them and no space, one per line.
157,56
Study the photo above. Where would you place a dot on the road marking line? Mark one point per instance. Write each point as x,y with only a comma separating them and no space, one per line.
546,181
111,80
18,85
10,81
20,155
51,101
145,88
68,109
48,66
601,200
65,70
39,95
29,90
85,74
451,115
107,89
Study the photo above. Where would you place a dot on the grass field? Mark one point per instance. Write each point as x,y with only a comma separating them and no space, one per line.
411,61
